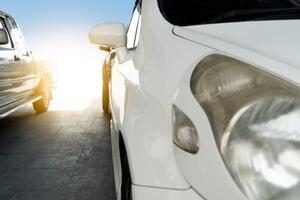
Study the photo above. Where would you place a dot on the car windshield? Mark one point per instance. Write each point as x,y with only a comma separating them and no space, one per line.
193,12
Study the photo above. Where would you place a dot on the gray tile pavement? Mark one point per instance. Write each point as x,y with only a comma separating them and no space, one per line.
56,155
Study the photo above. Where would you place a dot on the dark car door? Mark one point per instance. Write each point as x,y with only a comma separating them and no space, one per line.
16,66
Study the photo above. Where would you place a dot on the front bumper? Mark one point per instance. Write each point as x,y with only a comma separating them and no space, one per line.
150,193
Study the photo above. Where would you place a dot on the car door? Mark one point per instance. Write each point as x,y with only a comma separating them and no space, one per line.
122,72
16,66
121,80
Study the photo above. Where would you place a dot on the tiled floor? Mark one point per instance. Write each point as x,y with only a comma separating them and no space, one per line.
56,155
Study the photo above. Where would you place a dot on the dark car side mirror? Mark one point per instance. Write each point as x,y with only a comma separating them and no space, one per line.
3,37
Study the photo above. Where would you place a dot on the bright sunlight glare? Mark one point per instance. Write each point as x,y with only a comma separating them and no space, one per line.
77,71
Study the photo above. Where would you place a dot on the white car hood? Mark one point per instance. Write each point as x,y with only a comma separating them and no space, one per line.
276,40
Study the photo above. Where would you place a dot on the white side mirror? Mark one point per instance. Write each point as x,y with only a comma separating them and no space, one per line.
109,34
3,37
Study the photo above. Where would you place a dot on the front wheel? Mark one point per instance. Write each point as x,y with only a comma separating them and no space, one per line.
126,188
42,105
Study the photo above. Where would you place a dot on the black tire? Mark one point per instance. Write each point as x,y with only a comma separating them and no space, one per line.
42,105
126,188
105,90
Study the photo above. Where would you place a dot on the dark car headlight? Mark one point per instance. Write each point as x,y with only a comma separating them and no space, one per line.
255,117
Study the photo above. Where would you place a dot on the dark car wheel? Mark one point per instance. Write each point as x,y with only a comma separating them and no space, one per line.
126,181
42,105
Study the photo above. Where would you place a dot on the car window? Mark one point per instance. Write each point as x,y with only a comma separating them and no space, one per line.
2,26
195,12
18,38
133,31
138,32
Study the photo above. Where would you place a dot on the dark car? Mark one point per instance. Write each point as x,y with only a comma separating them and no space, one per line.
22,79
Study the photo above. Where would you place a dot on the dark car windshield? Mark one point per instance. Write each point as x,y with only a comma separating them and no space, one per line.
193,12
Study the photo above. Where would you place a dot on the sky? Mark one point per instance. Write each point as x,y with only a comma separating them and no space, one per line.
63,21
57,30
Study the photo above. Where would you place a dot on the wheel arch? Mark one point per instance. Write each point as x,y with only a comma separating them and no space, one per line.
146,139
122,150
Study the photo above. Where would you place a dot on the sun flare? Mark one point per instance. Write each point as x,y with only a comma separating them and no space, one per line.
77,74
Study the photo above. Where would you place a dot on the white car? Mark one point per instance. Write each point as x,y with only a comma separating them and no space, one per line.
205,99
23,79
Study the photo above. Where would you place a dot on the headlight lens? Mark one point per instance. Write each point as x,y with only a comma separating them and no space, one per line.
255,117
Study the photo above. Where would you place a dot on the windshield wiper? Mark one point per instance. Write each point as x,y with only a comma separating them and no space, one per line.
257,14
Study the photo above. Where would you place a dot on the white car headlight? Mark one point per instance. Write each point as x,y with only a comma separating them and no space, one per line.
255,117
